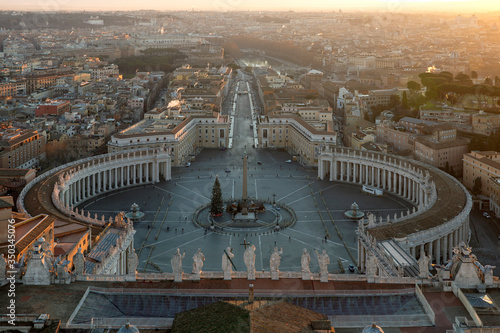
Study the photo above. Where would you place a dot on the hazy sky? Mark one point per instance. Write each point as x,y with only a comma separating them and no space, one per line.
461,6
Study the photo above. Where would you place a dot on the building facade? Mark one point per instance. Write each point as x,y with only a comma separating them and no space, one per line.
21,149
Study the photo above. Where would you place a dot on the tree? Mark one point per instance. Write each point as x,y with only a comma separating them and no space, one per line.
488,81
394,101
404,102
473,74
477,186
463,79
216,204
414,86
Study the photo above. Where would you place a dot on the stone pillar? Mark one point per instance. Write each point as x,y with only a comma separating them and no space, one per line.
245,171
348,165
379,183
334,166
373,175
412,251
366,182
445,249
430,250
140,173
147,172
400,187
438,251
115,183
342,170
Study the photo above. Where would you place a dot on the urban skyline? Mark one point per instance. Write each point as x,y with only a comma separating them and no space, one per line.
419,6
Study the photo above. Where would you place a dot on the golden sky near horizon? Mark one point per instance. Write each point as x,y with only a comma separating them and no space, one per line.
460,6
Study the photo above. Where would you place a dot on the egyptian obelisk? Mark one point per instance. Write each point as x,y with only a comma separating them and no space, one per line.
244,210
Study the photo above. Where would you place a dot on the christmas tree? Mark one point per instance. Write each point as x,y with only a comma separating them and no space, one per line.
216,204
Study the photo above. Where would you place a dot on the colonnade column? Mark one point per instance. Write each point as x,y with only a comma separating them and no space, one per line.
438,251
445,249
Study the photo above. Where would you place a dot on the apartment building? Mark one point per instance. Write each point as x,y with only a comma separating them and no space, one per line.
21,148
442,149
484,165
54,108
182,136
294,133
13,88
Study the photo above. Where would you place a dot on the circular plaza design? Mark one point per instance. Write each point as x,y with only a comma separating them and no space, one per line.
421,210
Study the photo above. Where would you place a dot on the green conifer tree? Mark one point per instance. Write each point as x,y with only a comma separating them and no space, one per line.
216,204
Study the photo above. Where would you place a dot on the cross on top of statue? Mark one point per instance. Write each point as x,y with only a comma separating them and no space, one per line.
245,243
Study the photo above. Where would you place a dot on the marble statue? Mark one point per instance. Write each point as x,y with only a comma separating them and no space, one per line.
176,263
79,262
304,263
488,275
132,262
227,267
198,259
249,258
274,263
371,265
3,267
323,261
423,265
63,272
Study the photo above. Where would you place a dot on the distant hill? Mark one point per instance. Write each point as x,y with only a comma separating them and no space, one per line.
63,21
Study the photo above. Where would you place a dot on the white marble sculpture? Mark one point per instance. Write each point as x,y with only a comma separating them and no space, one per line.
38,269
323,261
274,263
371,266
198,259
304,263
79,262
176,263
132,262
423,265
249,258
227,267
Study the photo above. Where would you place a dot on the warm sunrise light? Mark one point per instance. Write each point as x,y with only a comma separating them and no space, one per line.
464,6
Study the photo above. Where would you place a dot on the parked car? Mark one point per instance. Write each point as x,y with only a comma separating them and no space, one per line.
288,161
227,170
485,214
352,268
259,163
188,164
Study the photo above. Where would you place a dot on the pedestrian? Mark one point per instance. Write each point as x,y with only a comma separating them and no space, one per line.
149,227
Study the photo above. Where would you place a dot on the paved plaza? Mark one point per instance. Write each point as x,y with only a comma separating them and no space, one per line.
319,205
174,202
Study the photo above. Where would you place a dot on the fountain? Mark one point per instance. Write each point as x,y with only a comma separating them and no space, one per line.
354,213
135,214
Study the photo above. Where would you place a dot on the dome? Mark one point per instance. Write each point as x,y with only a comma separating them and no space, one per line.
130,329
373,328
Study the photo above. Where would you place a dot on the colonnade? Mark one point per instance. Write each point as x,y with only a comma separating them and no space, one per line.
93,181
410,180
112,172
388,176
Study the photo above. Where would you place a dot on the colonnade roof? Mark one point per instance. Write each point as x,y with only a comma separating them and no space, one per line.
451,200
38,200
